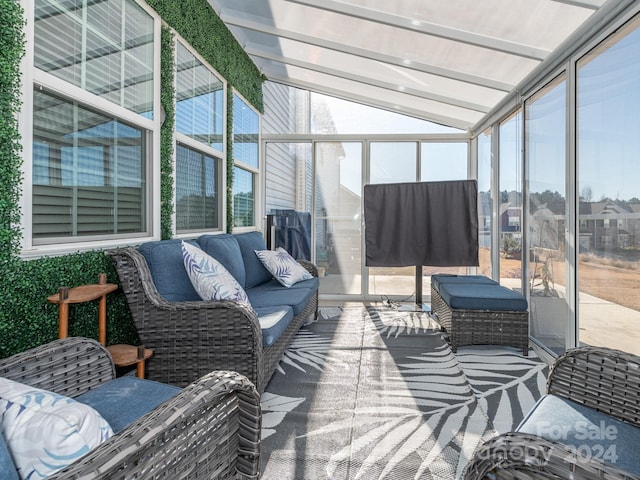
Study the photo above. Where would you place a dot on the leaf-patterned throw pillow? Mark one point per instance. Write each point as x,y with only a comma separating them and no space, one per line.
209,277
44,431
283,266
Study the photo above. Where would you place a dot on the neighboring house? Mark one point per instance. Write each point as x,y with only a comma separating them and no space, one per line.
609,225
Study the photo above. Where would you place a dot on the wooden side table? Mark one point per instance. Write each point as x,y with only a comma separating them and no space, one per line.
123,355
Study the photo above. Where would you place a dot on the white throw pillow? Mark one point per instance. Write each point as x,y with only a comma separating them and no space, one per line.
44,431
283,266
209,277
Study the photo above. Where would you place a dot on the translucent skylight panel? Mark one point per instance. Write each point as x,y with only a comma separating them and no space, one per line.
373,71
367,94
543,23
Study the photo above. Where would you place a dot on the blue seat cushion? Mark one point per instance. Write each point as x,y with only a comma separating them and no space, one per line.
273,322
482,297
7,468
590,432
225,249
166,264
267,295
273,284
256,274
125,399
441,278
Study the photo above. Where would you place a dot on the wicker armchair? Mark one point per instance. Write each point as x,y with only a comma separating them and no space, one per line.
211,429
603,379
192,338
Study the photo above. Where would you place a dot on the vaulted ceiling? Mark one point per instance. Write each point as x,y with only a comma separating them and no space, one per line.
450,62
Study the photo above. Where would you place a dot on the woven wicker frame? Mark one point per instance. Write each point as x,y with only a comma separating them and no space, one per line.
604,379
481,327
521,456
190,339
211,429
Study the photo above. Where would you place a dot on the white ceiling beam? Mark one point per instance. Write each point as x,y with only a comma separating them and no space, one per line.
256,25
259,51
428,28
371,102
590,4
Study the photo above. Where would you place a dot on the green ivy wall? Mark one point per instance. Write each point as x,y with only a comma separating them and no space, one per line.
26,318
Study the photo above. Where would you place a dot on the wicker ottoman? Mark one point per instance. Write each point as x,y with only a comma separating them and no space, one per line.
506,325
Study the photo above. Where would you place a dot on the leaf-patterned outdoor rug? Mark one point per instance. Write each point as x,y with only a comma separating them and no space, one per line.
372,393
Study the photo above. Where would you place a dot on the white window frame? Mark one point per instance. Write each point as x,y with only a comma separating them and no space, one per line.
201,147
257,172
34,78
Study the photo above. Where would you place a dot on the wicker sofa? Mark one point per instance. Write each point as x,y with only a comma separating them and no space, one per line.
191,337
586,427
475,310
210,429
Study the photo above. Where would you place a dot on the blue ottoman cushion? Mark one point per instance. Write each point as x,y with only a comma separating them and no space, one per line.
590,432
125,399
442,278
482,297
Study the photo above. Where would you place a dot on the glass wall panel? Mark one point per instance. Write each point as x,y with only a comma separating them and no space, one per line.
104,47
443,161
330,115
393,162
485,202
510,211
337,216
199,100
89,172
608,149
545,136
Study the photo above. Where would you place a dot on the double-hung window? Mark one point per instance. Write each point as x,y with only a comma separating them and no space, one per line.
246,128
200,126
92,120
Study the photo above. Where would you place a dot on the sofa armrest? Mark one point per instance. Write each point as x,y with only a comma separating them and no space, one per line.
604,379
211,429
520,455
310,267
217,335
70,366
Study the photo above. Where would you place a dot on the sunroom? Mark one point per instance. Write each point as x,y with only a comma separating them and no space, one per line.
141,121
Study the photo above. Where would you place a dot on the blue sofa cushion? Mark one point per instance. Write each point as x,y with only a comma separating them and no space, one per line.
482,297
273,284
441,278
273,322
590,432
266,295
166,264
7,468
125,399
256,274
225,249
